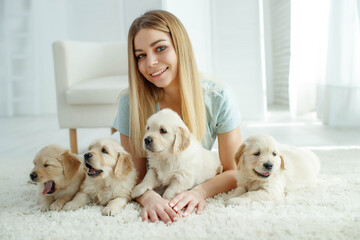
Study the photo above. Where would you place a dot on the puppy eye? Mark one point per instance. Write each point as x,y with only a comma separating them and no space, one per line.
103,150
257,154
46,165
274,154
162,131
147,128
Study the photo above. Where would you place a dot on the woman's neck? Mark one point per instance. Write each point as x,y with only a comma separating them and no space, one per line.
171,98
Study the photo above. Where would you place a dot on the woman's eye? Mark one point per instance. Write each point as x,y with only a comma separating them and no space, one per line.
162,131
103,150
257,154
160,49
140,56
274,154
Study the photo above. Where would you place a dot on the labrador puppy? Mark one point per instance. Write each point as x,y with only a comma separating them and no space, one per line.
176,159
59,174
110,178
266,170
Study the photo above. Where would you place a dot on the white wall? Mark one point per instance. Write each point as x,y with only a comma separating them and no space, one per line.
196,18
237,53
225,37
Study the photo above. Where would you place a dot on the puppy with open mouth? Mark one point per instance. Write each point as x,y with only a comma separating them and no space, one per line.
58,174
267,170
110,178
177,161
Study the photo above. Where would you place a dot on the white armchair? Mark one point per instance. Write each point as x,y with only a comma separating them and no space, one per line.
89,78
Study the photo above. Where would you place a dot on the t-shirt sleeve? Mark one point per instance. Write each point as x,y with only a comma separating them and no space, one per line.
121,122
228,115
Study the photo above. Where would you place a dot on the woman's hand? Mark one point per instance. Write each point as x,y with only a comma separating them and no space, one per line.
191,199
155,207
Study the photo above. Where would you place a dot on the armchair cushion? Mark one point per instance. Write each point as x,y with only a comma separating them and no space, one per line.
103,90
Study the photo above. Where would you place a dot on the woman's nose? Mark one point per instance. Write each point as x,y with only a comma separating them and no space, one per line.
152,59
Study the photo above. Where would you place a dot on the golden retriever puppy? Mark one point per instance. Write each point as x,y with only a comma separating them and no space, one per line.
59,174
111,177
176,159
266,170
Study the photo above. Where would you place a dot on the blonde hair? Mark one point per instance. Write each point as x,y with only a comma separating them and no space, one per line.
143,95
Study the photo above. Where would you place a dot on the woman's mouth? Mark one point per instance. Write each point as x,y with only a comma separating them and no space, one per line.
155,74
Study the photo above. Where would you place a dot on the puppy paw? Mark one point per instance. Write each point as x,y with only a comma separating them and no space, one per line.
70,206
138,191
235,201
168,195
44,208
56,206
110,211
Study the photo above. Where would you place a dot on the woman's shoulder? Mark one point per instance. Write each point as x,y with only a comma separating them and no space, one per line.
213,88
124,96
123,100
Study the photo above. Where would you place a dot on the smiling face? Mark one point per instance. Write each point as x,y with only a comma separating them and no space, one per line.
156,57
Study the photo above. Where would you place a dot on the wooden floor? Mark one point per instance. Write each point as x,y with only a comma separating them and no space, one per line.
24,136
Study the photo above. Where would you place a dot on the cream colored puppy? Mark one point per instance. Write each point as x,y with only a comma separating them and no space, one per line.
176,159
59,174
266,170
110,178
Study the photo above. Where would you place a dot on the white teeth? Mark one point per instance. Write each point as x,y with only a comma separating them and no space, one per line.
159,72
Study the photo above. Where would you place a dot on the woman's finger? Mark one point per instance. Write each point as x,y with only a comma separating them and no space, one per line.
144,215
190,208
153,216
200,207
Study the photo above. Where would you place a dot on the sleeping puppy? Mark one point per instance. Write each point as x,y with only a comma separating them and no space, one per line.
110,178
266,170
59,174
176,159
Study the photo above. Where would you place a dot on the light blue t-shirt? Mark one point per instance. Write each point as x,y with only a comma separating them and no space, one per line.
221,112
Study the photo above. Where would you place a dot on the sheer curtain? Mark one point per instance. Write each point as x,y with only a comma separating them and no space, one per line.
325,60
339,92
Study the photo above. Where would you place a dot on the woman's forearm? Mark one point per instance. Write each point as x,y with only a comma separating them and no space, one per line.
223,182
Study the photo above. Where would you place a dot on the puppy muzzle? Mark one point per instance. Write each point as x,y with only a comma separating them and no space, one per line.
93,172
148,143
33,176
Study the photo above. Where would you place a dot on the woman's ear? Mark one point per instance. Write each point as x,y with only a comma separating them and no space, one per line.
182,140
123,164
239,155
70,164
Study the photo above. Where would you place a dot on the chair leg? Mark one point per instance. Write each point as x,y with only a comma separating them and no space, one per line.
113,130
73,141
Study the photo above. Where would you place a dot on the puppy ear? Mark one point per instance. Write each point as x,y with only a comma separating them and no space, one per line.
282,157
70,164
182,140
123,164
239,153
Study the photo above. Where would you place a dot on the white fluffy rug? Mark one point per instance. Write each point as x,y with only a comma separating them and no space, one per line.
330,210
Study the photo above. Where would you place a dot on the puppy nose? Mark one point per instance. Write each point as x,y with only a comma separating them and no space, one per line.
87,156
148,140
268,165
33,175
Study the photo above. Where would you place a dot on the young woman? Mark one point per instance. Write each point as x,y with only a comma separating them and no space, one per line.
163,74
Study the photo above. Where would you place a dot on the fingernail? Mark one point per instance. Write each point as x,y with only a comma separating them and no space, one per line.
198,212
171,204
186,213
175,219
176,209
